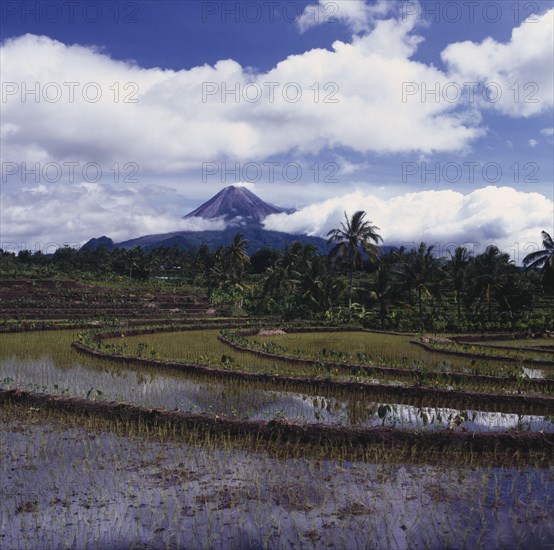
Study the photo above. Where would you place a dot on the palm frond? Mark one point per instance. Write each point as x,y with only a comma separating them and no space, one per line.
535,259
547,241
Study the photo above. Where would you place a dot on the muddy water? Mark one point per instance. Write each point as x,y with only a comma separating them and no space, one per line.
48,364
66,487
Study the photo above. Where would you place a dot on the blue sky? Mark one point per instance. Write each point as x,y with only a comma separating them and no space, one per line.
363,133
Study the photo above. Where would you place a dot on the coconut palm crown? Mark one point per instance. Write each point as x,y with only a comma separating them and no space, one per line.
543,259
352,239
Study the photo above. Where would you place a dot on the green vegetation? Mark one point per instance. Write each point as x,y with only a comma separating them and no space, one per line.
403,289
265,413
353,237
390,349
544,259
123,485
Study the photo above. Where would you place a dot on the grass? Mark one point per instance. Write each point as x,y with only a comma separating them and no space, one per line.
415,364
77,481
384,350
497,351
368,347
96,483
45,362
520,343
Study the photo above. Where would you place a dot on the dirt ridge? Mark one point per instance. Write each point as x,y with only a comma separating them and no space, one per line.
508,400
292,431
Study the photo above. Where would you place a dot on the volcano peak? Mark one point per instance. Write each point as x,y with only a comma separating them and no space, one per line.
236,202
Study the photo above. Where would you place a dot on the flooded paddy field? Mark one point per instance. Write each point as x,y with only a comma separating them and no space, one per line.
84,482
58,369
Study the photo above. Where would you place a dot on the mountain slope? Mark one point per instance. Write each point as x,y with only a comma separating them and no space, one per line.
256,236
233,202
237,205
104,242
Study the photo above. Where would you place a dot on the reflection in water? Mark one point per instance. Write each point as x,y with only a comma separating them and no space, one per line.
533,373
108,490
177,391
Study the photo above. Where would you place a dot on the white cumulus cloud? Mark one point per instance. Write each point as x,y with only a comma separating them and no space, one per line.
519,72
169,121
36,216
75,103
503,216
358,15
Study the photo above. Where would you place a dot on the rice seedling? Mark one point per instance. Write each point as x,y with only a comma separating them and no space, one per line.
115,485
89,481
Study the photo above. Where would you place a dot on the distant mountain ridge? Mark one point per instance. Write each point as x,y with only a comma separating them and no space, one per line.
244,212
256,236
101,242
236,202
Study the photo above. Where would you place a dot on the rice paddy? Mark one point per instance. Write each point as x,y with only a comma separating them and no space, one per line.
95,485
74,480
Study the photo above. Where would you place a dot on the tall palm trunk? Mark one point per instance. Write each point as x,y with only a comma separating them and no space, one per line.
459,306
420,307
384,312
351,283
489,301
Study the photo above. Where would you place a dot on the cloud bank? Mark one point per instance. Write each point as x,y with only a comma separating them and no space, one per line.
503,216
347,97
521,69
41,216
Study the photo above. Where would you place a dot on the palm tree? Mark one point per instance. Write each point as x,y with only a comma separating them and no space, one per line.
227,271
456,271
491,270
319,289
218,274
543,259
236,258
203,260
284,276
421,272
386,290
134,258
351,240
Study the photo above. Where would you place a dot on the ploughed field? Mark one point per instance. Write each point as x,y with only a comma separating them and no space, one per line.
41,300
244,433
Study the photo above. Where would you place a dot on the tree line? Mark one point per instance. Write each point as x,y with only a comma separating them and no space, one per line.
354,282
